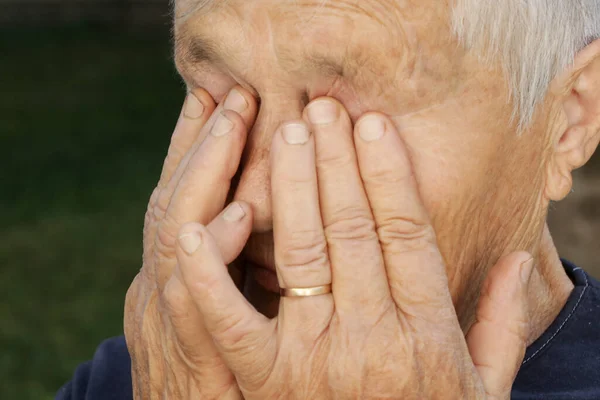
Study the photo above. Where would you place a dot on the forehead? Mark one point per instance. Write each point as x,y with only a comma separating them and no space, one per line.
288,22
379,10
372,42
313,26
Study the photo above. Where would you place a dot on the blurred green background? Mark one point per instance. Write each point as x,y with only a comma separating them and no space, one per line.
86,115
86,112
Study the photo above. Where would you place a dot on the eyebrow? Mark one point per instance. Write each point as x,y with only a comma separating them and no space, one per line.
201,50
194,48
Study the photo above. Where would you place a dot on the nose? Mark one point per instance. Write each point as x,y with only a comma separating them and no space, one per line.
254,187
254,184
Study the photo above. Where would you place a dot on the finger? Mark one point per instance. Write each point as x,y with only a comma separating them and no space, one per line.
498,339
357,267
194,345
238,330
415,268
197,109
199,189
230,231
300,245
237,112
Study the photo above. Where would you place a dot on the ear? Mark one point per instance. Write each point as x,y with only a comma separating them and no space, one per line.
577,137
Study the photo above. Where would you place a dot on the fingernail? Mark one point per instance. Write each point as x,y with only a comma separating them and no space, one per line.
235,101
371,128
190,242
527,270
234,213
193,108
295,133
222,126
322,112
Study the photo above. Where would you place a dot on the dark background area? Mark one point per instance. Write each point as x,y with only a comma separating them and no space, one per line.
88,100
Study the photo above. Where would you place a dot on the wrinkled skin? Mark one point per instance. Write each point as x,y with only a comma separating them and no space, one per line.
399,59
390,314
169,347
484,188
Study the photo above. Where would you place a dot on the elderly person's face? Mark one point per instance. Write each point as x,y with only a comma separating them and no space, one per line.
485,186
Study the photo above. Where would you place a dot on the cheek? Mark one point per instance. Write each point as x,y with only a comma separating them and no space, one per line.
439,174
481,189
454,170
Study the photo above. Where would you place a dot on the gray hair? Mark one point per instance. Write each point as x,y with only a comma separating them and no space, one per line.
189,7
534,40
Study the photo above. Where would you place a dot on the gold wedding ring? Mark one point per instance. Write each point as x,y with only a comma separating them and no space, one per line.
305,292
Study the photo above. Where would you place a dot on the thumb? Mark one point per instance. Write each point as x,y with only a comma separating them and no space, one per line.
498,339
235,326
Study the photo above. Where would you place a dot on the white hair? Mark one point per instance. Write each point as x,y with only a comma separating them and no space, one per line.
534,40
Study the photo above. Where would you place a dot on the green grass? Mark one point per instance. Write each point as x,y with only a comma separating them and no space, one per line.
86,116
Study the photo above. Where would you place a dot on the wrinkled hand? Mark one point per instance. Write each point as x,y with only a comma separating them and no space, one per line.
173,356
347,211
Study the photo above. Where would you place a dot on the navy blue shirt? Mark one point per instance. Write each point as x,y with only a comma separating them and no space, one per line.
563,364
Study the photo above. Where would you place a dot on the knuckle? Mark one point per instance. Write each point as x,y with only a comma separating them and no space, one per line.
187,198
169,225
294,182
177,150
175,299
351,225
422,308
166,237
160,206
148,246
232,332
386,174
150,224
154,195
211,163
209,288
401,235
149,217
153,199
304,248
336,161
